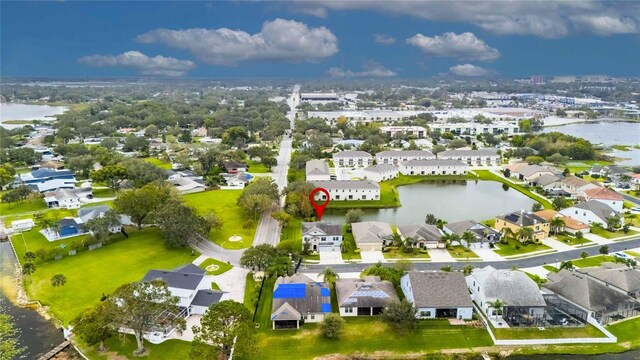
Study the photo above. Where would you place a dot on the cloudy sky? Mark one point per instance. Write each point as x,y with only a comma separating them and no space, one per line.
339,39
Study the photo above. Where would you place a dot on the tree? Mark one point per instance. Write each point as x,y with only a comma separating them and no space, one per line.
468,237
533,160
94,325
457,143
280,266
140,204
579,235
225,325
604,250
430,219
525,234
29,256
613,223
269,162
557,159
100,227
9,344
354,216
560,203
81,163
255,204
259,257
506,173
401,314
557,224
111,175
468,269
180,223
497,305
151,131
58,280
332,326
328,275
282,217
140,305
140,172
625,228
28,268
536,207
6,175
584,255
568,265
259,195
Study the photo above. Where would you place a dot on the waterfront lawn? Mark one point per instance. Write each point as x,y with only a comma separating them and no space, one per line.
122,347
349,243
593,261
407,180
572,240
588,331
515,247
91,274
612,235
389,198
460,252
256,167
364,334
488,175
159,163
223,267
234,221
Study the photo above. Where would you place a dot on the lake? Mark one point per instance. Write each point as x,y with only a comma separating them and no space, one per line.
11,111
607,133
446,199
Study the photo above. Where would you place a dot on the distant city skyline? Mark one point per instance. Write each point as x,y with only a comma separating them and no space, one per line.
315,39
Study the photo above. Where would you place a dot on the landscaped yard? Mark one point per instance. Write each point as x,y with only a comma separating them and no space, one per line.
293,232
612,235
460,252
263,313
588,331
369,335
122,347
217,267
349,243
515,247
395,253
388,198
159,163
593,261
632,253
103,193
91,274
25,206
572,240
633,219
256,167
234,220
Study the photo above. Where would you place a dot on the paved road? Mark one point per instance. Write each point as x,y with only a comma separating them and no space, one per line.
631,199
211,249
505,264
268,231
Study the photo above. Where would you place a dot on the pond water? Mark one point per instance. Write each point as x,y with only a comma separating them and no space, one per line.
628,158
37,335
10,111
607,133
448,200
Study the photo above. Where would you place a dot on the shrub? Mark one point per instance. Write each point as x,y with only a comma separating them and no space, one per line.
356,251
332,326
517,246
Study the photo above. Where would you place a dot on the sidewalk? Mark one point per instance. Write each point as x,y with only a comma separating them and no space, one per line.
557,245
487,254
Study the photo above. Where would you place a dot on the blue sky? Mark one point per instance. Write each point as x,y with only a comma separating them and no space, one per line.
342,39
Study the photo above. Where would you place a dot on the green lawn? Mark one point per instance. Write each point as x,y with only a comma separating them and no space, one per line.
551,268
511,248
578,166
256,167
349,244
251,289
460,252
234,220
588,331
572,240
388,198
295,175
369,335
395,253
632,253
159,163
263,313
223,267
406,180
593,261
93,273
103,193
633,219
612,235
25,206
487,175
293,232
122,347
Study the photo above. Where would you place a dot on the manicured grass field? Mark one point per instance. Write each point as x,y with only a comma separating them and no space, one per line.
593,261
572,240
388,198
93,273
159,163
510,248
263,313
234,221
295,175
588,331
406,180
103,193
223,267
551,268
251,289
350,245
122,347
256,167
399,254
25,206
578,166
293,232
369,335
460,252
632,253
633,219
487,175
612,235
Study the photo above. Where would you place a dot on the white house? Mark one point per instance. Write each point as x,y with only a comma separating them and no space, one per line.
22,225
396,157
352,158
520,295
348,190
187,185
364,297
590,212
380,172
322,236
317,170
576,186
605,196
438,294
474,128
480,157
64,198
433,167
413,131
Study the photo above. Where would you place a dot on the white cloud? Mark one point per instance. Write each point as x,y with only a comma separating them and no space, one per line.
279,40
370,69
549,19
465,46
469,70
384,39
150,66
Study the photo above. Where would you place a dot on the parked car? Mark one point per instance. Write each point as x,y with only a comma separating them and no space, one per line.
621,255
635,210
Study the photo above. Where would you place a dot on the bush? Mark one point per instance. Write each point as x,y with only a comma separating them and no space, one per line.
332,326
356,251
517,246
423,251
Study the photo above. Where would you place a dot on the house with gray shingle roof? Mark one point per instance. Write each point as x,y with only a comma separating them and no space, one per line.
395,157
317,170
481,232
421,236
590,212
479,157
352,158
433,167
371,235
322,236
616,276
364,297
438,294
380,172
297,298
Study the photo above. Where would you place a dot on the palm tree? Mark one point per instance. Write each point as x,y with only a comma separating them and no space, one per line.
58,280
47,223
29,256
508,232
430,219
497,305
556,224
469,238
468,269
28,269
613,222
525,234
328,275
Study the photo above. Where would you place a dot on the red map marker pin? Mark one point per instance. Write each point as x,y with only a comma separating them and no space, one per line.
319,208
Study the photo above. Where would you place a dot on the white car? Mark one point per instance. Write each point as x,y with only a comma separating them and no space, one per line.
635,210
621,255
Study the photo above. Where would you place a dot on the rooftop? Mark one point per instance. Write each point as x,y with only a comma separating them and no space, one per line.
368,292
439,289
347,184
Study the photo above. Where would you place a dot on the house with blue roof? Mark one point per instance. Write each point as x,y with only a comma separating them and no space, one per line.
42,175
298,299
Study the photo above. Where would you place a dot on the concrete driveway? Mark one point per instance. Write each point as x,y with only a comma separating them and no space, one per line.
330,257
232,282
372,257
440,255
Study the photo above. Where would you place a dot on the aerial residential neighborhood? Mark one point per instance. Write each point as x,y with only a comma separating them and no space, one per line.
319,180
